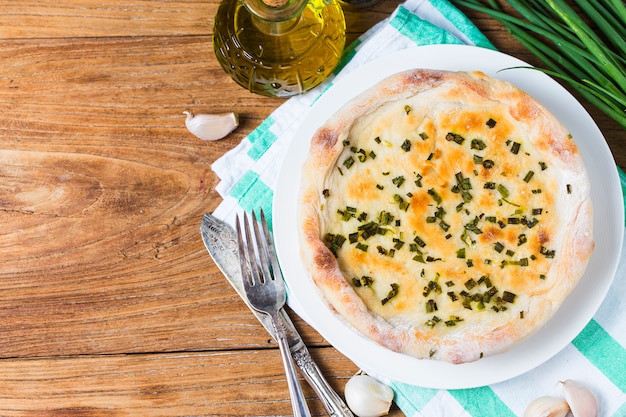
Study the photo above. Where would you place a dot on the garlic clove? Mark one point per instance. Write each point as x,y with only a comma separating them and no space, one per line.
368,397
211,126
581,401
547,407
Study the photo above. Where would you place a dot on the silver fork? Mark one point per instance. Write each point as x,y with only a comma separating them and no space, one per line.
265,291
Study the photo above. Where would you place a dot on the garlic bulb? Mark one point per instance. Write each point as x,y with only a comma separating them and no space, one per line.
580,399
367,397
211,126
547,407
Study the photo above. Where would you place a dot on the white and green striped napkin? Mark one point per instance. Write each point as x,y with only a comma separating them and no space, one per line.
248,174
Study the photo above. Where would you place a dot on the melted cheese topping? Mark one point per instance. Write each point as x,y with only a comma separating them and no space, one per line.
441,216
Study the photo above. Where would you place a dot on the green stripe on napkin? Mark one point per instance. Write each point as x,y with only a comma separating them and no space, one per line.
423,32
252,194
420,31
462,23
411,400
482,402
603,351
261,139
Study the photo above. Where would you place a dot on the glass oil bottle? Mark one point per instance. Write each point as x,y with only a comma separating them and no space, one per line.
279,47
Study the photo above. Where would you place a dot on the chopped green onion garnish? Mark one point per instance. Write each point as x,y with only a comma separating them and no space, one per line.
431,306
477,144
418,180
435,195
418,240
455,137
392,293
470,283
504,192
419,258
398,181
488,164
529,176
509,297
362,246
401,203
547,253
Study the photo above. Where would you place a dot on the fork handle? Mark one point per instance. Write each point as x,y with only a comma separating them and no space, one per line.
298,402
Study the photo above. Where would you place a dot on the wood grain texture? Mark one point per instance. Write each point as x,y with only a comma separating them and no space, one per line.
186,384
109,304
94,18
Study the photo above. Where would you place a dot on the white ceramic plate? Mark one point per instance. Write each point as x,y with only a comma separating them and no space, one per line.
578,308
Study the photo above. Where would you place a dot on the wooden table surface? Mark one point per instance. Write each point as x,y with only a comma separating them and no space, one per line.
109,303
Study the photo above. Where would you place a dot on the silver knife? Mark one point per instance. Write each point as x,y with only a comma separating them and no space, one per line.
221,242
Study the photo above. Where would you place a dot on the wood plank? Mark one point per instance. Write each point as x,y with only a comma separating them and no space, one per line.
83,135
89,18
236,383
33,19
173,303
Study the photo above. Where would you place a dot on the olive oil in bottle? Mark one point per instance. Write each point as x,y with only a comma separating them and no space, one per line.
279,47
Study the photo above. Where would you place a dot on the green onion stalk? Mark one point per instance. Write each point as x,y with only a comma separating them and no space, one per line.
586,47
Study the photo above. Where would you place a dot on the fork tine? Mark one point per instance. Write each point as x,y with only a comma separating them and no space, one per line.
247,257
270,248
256,274
264,255
243,255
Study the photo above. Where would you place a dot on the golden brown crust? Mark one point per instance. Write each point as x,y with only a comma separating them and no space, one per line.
445,215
